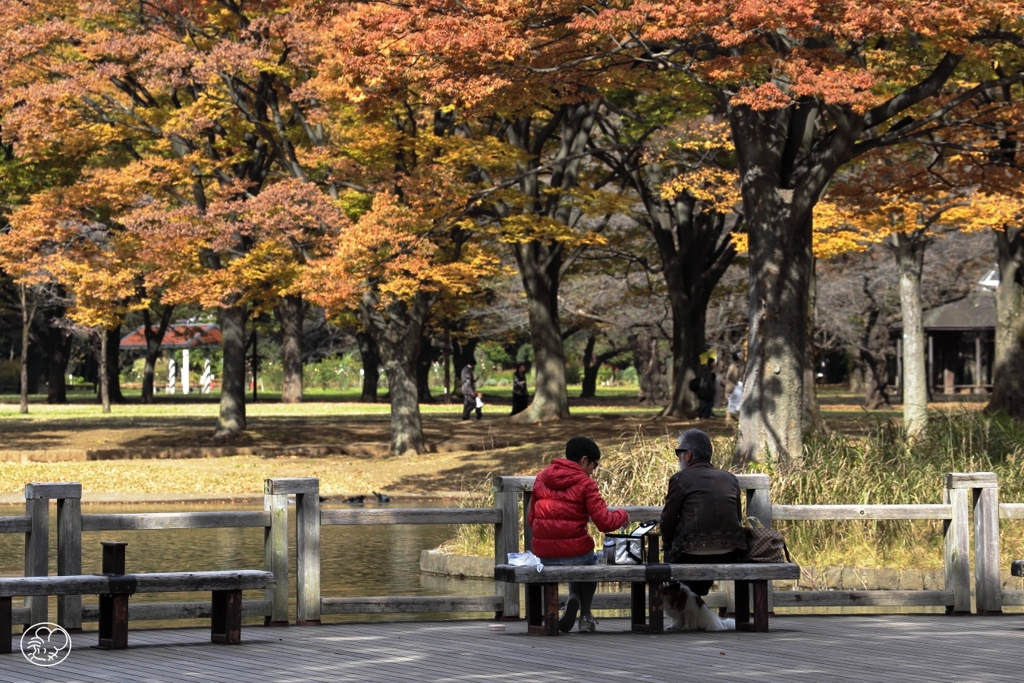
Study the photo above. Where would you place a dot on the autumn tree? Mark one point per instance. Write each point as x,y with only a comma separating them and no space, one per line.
679,162
413,243
197,97
905,202
805,91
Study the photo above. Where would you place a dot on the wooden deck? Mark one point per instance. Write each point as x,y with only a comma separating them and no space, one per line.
912,648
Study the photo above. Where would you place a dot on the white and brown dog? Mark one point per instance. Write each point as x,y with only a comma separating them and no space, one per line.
686,611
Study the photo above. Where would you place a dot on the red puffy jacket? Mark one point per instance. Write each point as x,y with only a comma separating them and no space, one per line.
564,498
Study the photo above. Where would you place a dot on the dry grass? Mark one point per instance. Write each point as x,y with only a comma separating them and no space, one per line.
880,466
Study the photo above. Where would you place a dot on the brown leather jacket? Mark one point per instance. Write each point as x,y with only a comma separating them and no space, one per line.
702,511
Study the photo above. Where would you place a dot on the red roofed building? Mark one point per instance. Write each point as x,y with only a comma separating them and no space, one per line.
177,336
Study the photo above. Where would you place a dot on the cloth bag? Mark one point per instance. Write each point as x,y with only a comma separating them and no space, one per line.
629,548
765,545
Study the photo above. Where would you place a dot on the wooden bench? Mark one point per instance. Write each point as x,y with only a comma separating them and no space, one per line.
646,615
114,590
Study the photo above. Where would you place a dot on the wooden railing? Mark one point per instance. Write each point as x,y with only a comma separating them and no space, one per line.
962,492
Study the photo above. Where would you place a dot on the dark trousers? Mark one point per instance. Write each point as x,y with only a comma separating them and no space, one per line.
702,588
468,407
584,590
519,403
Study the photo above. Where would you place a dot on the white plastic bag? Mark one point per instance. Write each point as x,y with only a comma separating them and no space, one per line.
526,559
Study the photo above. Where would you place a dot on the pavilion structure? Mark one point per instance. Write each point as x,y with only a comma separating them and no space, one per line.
961,345
185,337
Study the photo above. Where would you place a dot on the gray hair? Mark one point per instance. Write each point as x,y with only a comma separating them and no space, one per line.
698,443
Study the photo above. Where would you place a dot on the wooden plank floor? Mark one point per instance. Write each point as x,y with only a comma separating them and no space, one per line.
911,648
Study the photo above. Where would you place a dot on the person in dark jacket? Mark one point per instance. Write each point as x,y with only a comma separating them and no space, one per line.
469,393
520,395
707,382
565,498
702,521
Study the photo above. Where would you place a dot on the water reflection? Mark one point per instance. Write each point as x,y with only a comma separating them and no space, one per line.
355,561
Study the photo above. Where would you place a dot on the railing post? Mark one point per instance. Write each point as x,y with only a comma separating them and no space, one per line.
957,542
69,553
506,540
37,545
275,553
759,506
988,589
307,547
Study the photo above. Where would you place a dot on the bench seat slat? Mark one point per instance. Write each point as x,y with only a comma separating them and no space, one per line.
633,573
167,582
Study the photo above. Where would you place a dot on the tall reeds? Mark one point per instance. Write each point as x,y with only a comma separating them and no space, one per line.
880,465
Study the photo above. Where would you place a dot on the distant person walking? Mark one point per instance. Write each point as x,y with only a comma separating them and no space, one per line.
733,375
469,393
707,383
520,395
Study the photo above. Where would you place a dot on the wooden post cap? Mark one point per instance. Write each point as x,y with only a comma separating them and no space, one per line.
53,490
972,480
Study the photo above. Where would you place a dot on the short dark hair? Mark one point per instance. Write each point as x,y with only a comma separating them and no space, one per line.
698,443
579,447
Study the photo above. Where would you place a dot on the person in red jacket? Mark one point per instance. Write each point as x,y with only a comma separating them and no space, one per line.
565,498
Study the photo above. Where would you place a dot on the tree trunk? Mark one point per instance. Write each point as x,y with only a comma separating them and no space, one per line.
424,364
590,369
57,347
446,356
855,370
397,329
648,367
695,252
113,366
291,312
154,340
370,357
779,230
27,313
231,420
539,267
1008,367
812,412
542,263
689,320
909,248
872,361
104,358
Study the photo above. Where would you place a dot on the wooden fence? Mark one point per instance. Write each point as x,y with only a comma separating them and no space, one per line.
963,493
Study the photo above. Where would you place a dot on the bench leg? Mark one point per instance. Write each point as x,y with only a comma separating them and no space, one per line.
5,625
647,612
226,624
542,608
742,589
638,606
113,622
761,593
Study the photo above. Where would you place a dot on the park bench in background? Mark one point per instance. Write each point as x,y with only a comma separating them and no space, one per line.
646,615
114,588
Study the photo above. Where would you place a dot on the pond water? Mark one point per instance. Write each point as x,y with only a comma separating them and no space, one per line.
355,561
